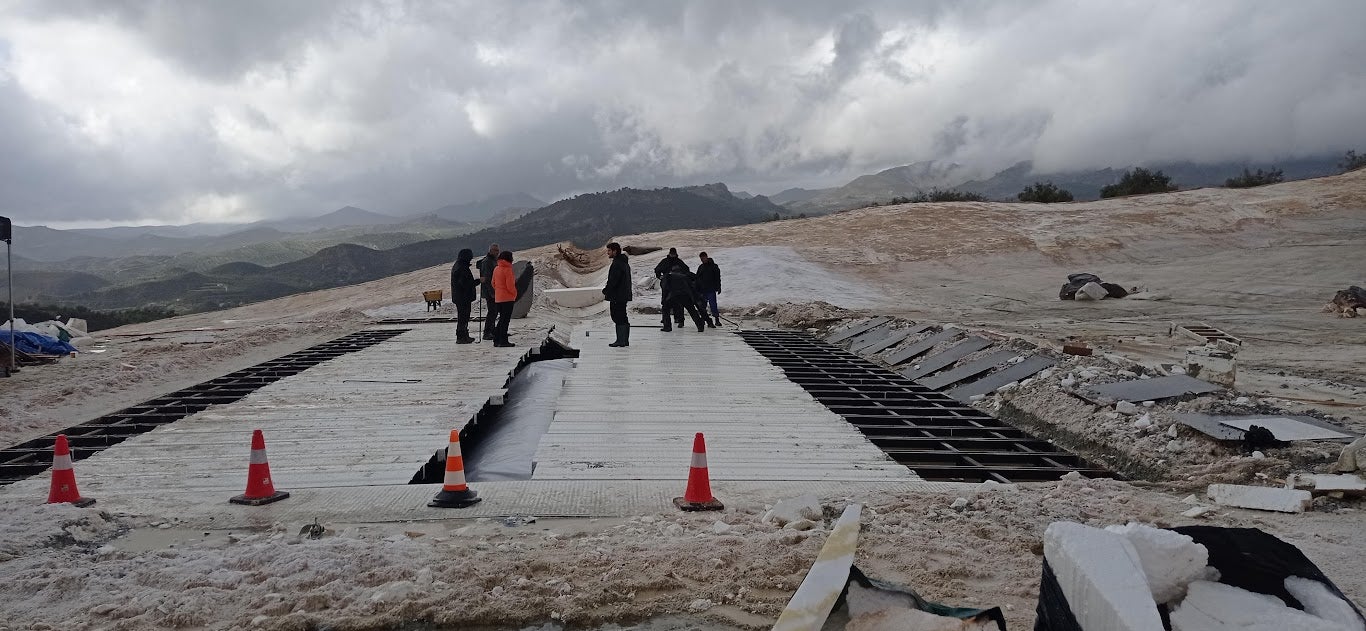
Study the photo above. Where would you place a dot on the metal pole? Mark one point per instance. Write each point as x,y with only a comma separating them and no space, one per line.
9,273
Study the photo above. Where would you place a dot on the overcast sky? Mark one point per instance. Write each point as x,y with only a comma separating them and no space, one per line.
176,111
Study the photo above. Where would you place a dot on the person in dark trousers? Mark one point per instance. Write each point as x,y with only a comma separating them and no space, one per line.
678,296
617,291
669,263
486,267
702,302
709,284
504,296
462,294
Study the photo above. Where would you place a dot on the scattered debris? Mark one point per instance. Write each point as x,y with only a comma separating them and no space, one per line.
1260,498
1212,364
1091,287
1076,348
1348,303
1351,457
1203,333
790,510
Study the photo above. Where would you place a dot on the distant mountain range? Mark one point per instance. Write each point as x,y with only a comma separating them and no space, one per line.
588,220
488,207
908,180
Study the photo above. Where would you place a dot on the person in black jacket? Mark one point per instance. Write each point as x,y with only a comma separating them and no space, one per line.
486,267
462,294
679,295
668,264
618,293
709,284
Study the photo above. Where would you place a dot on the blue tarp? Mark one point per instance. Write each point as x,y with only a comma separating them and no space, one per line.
37,343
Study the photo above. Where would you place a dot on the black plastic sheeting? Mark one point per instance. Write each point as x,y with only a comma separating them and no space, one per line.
508,448
1077,281
1246,558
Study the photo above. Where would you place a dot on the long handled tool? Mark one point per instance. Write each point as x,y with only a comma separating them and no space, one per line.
480,338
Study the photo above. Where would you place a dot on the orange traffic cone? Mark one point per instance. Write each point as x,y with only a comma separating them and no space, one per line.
698,494
64,489
260,488
454,492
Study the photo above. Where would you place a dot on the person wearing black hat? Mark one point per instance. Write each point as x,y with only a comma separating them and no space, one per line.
462,294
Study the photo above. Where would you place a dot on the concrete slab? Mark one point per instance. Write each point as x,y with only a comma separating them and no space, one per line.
575,296
968,370
873,349
855,329
1260,497
1287,429
871,336
371,417
403,503
941,360
1212,425
918,348
988,384
1150,389
631,414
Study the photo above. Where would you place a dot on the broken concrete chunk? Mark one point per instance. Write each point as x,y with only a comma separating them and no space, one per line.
1101,576
1197,511
1352,456
790,510
1260,498
1126,407
1330,483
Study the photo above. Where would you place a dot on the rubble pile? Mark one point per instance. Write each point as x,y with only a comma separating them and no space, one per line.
1348,303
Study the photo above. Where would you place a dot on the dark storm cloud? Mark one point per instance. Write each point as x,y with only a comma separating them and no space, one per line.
202,111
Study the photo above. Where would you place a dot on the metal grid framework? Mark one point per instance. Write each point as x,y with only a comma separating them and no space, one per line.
1207,333
426,320
932,434
35,456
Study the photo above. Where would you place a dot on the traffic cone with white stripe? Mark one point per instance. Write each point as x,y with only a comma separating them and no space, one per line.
454,492
260,488
698,494
63,490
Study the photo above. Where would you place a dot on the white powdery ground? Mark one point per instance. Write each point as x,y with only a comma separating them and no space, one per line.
58,566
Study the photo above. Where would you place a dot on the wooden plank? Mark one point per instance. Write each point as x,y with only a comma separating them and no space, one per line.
991,382
948,356
968,370
919,348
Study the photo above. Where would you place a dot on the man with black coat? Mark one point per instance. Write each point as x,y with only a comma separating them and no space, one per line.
668,264
709,284
617,291
462,294
679,295
486,267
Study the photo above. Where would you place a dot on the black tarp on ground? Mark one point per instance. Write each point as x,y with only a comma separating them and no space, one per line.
1077,281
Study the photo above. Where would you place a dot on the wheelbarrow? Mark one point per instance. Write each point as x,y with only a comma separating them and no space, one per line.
433,299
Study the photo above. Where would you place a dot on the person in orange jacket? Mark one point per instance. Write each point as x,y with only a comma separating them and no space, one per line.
504,295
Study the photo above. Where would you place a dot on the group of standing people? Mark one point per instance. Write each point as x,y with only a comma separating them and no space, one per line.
498,286
680,290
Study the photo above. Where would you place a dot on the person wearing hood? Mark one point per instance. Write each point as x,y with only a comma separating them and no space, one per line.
486,267
462,294
709,284
504,296
670,263
617,291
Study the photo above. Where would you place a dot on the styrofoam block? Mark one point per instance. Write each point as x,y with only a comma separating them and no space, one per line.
1218,607
1329,482
1101,576
1092,291
1170,559
1260,497
1319,601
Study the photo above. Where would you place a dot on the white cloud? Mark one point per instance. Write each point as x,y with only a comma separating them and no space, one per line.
178,111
